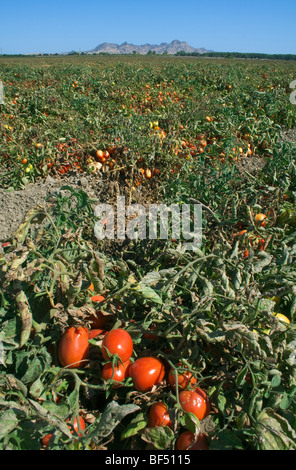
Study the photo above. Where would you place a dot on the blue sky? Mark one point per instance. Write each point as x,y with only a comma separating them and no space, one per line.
61,26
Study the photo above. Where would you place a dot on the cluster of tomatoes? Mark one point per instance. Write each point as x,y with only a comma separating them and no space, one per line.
146,372
251,240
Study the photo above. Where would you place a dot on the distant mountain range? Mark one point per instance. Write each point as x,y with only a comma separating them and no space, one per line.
127,48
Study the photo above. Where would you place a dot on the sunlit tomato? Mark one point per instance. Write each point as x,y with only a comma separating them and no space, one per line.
146,372
120,371
159,416
282,318
117,341
98,298
73,347
195,401
187,441
148,173
259,219
185,379
45,440
99,154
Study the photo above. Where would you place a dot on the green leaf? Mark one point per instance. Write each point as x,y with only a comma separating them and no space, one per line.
191,422
226,440
241,376
274,432
221,402
138,423
275,381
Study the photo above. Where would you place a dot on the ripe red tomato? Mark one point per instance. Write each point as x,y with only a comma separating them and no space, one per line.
117,341
146,372
159,416
195,401
185,379
187,441
120,371
73,347
45,440
76,427
96,332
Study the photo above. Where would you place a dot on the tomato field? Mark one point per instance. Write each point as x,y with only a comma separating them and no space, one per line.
136,344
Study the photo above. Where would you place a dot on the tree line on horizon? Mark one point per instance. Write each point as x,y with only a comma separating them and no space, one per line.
239,55
213,54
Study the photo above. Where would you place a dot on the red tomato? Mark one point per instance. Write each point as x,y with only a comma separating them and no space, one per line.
195,401
73,347
76,427
45,440
146,372
117,341
98,298
120,371
159,416
185,379
96,332
187,441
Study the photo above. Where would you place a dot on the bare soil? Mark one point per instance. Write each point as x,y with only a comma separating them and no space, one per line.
14,205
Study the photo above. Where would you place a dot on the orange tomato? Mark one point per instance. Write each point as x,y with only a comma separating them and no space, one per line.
260,219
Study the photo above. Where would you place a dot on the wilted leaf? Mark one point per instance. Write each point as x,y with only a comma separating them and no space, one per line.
26,316
8,422
146,293
111,417
160,437
274,431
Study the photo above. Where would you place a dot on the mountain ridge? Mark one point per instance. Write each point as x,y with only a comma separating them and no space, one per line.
129,48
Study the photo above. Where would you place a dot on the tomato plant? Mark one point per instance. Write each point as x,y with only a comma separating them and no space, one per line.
157,130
